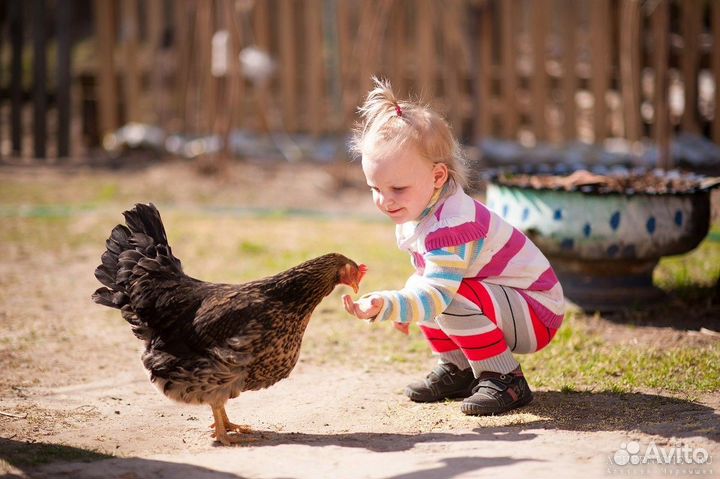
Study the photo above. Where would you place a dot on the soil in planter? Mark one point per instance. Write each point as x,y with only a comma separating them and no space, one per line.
651,182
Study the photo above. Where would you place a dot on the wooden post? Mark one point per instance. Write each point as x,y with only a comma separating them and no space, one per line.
156,66
509,81
288,64
630,24
3,22
569,60
182,35
107,86
452,23
540,14
399,57
661,36
485,74
600,79
205,79
715,25
314,67
690,60
39,79
425,53
64,13
16,103
131,77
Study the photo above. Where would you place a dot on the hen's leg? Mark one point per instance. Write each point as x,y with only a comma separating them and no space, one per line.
221,428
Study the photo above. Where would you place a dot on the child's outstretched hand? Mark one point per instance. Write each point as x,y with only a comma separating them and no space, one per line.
363,309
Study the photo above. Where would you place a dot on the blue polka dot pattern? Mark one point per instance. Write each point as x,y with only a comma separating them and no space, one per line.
505,210
650,225
525,214
567,243
615,220
587,230
678,218
558,214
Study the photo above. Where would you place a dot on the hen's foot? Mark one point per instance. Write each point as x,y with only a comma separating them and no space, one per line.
230,439
241,428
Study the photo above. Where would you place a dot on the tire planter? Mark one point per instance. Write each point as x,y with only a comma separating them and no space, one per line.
604,247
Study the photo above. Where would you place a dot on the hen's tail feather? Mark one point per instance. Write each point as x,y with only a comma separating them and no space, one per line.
133,250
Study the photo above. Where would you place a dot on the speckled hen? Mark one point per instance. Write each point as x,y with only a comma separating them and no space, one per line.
206,343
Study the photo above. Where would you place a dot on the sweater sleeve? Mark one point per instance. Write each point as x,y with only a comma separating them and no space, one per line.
426,296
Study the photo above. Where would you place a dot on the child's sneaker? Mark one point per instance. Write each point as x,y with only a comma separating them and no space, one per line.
446,381
496,393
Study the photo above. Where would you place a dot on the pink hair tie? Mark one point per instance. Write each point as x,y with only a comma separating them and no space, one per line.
398,110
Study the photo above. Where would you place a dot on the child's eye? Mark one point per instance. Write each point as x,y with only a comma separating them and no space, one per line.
399,189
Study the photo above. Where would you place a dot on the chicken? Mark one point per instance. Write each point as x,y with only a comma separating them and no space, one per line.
206,343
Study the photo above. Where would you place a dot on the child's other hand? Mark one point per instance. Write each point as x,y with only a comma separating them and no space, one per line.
365,308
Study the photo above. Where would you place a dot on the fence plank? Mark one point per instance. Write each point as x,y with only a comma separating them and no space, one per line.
182,34
540,14
715,25
39,79
106,83
3,63
508,34
131,73
314,75
288,66
16,103
630,24
64,30
398,52
452,22
690,60
661,40
484,74
425,58
569,82
155,28
600,56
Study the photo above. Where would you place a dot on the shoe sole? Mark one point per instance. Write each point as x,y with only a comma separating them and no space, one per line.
476,410
418,398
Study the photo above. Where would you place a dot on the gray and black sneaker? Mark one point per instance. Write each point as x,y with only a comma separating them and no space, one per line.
445,381
496,393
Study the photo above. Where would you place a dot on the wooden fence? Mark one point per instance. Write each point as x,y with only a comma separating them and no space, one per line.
47,89
531,70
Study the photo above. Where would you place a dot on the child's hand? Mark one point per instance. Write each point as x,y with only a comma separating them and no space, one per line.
363,309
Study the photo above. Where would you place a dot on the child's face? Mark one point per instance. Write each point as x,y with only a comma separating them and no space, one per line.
402,182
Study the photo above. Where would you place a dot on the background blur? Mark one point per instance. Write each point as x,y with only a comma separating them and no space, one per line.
627,73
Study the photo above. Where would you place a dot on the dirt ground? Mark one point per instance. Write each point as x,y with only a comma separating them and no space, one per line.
74,391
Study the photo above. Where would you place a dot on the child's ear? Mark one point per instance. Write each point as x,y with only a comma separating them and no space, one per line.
440,174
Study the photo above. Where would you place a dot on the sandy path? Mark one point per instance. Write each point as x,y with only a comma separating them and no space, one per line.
356,424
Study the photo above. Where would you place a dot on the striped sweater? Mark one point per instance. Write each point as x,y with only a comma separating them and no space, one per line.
460,238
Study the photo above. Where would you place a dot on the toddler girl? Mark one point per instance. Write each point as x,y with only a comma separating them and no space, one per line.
481,289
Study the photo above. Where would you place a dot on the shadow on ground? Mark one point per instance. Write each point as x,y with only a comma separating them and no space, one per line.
27,458
672,311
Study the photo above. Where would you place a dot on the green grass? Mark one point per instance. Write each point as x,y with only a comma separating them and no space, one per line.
692,272
579,359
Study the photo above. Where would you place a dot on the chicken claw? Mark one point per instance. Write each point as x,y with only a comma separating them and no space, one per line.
222,425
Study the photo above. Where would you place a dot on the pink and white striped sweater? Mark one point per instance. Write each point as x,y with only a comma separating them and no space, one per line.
459,238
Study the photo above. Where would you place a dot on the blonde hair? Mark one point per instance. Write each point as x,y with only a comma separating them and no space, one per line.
388,123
